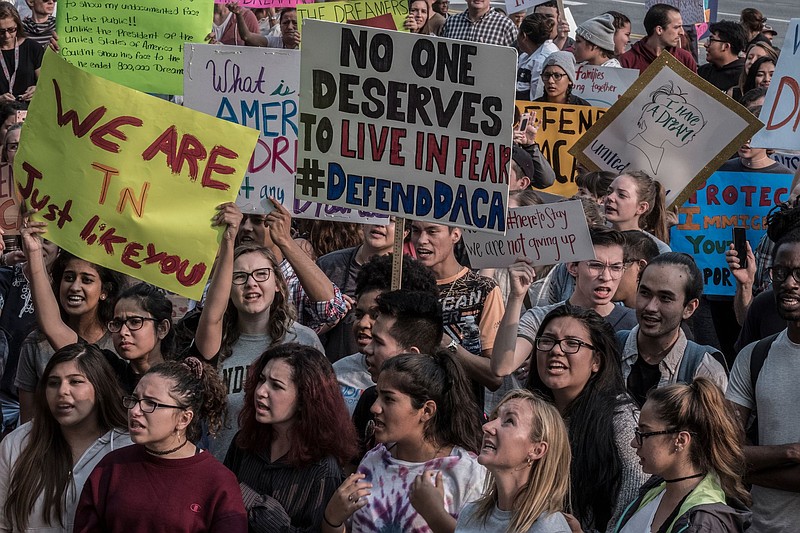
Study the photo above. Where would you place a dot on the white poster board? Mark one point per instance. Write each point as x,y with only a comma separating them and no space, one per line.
410,125
671,124
546,234
781,110
602,86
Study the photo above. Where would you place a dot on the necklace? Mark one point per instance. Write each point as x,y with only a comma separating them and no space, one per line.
701,474
167,452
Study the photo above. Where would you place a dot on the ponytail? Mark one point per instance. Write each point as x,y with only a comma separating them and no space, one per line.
700,409
200,389
650,190
442,379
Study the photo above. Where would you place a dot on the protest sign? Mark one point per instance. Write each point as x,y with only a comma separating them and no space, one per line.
706,219
255,4
781,109
128,181
560,127
353,10
672,124
602,86
789,159
9,201
404,124
515,6
136,43
318,211
255,87
546,234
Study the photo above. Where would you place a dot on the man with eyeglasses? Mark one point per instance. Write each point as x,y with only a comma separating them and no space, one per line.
768,386
656,352
724,68
596,281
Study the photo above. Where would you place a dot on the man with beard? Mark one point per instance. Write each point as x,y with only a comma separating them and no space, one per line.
768,386
656,352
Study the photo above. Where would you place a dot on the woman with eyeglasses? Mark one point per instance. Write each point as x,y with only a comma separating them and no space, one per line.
689,442
247,311
558,78
140,326
636,201
576,366
164,482
44,463
20,60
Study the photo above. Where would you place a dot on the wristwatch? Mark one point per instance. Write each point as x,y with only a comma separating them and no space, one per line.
453,346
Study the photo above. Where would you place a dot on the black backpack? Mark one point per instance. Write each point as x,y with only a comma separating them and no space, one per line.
757,358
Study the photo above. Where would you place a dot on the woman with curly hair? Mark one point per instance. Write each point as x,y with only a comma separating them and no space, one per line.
295,436
689,442
247,311
164,482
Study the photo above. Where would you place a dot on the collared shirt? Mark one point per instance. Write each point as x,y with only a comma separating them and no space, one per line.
669,366
491,28
312,314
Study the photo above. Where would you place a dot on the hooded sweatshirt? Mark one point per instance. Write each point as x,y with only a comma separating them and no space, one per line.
640,57
724,77
704,509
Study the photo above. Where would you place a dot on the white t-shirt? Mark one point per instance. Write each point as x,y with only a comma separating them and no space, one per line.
353,378
642,520
776,398
498,522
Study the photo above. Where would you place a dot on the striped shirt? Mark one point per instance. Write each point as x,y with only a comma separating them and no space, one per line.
41,32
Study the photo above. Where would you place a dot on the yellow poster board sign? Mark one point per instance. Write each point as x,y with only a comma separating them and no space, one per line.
560,127
127,180
353,10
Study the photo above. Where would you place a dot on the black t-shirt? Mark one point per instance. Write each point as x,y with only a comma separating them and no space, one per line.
126,377
30,59
642,378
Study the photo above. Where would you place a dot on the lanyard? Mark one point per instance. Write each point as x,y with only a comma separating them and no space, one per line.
11,78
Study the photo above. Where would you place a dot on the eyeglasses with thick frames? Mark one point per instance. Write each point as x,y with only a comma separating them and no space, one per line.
781,273
555,75
568,346
615,270
133,323
713,40
147,406
259,275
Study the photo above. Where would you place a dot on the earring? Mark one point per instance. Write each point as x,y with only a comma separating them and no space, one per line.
102,296
529,461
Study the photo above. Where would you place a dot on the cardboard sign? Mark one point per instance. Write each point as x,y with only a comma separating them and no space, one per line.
9,201
405,124
725,200
353,10
672,124
258,88
546,234
128,181
137,43
602,86
781,109
560,127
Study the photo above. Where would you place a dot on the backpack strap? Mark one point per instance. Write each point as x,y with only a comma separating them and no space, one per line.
693,356
622,338
758,356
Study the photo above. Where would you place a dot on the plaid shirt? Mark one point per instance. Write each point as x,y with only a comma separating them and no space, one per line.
491,28
312,314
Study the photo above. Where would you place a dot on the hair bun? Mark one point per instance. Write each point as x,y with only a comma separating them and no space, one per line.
195,365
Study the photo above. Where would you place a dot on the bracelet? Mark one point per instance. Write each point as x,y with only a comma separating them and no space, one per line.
335,526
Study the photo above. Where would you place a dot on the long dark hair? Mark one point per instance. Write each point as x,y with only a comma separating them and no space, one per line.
596,466
111,282
750,80
153,300
441,378
322,428
42,471
281,312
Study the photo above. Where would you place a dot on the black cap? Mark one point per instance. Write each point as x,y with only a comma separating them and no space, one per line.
524,160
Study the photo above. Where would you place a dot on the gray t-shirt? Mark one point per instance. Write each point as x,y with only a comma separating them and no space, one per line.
233,370
776,398
498,521
353,378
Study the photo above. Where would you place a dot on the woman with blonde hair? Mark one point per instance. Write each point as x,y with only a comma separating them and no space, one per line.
526,451
635,200
690,443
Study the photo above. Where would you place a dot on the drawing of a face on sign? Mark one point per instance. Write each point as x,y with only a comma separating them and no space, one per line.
666,119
